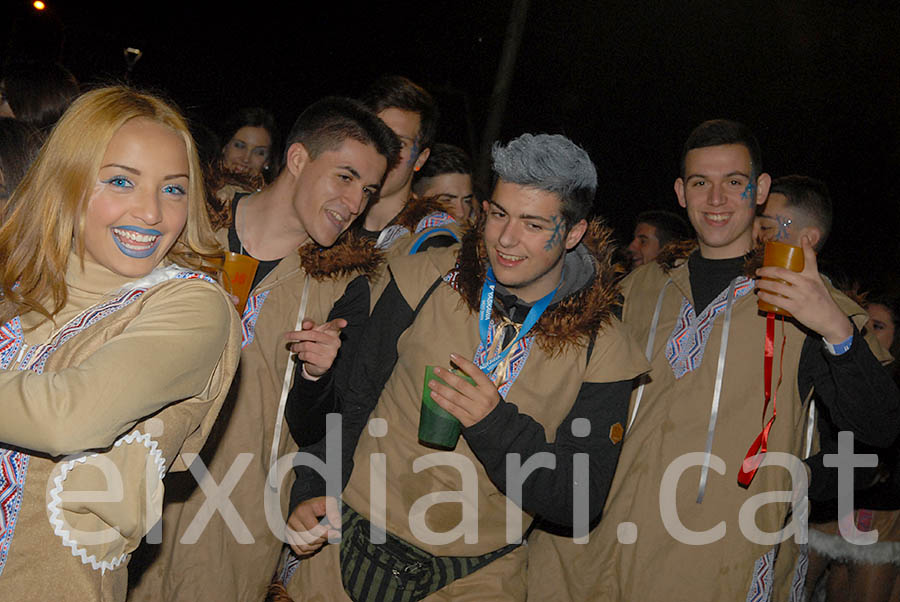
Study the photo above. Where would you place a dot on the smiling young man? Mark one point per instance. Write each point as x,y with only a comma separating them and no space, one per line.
525,308
219,545
682,505
411,113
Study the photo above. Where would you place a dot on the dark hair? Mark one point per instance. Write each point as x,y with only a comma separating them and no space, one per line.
325,124
209,146
810,197
552,163
669,226
717,132
444,159
256,117
398,92
18,147
892,303
39,93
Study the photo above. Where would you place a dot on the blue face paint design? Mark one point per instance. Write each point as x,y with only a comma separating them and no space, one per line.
413,152
749,193
138,253
557,235
783,223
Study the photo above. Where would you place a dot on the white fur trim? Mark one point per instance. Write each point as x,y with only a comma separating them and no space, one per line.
838,548
158,275
55,500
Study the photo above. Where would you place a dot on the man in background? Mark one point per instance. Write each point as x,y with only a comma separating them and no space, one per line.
654,230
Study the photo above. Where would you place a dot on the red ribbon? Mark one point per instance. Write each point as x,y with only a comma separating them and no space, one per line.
757,451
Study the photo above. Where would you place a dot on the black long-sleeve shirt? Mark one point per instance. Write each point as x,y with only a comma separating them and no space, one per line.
309,402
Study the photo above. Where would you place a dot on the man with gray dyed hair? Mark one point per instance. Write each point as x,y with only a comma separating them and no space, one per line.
524,307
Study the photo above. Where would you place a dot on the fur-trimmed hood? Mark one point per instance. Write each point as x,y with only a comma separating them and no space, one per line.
352,253
677,252
672,254
569,322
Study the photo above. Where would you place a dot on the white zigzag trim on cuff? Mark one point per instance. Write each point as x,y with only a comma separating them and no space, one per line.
835,547
57,522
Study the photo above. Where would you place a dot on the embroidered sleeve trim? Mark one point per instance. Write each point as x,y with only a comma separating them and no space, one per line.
251,315
763,576
55,512
13,468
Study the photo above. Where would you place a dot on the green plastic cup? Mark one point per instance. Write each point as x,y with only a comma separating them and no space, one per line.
438,428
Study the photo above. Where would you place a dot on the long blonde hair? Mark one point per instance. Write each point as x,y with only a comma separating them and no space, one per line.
45,215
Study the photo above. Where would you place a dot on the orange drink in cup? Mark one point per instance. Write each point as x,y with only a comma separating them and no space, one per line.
779,254
238,272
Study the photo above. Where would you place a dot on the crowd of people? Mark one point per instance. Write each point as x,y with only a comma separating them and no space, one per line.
431,392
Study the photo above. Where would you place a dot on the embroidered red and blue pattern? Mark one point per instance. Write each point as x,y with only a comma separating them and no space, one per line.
517,356
799,580
433,220
251,314
10,341
514,363
686,344
763,575
13,466
188,275
451,278
36,357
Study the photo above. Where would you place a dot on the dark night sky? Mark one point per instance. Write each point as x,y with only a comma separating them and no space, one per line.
818,81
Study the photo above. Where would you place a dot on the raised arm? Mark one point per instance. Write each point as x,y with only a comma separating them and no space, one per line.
166,354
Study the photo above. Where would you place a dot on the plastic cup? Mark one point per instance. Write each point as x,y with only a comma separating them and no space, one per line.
779,254
238,271
438,428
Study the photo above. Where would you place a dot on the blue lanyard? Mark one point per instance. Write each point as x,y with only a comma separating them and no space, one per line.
484,319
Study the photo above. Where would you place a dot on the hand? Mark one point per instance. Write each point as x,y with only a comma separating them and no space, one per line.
305,533
468,403
317,346
805,297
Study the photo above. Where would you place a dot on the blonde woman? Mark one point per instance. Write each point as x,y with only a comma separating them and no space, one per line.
116,346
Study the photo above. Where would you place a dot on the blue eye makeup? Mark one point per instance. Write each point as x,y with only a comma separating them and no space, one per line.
174,189
119,182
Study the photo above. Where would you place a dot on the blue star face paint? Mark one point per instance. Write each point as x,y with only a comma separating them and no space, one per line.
749,193
776,227
556,234
782,223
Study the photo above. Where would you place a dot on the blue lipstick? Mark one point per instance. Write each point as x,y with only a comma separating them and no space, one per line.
135,253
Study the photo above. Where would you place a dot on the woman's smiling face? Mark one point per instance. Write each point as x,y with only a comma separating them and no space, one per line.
139,204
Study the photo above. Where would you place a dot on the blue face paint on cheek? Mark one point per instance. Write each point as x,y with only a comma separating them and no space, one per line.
557,235
749,193
413,152
783,224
